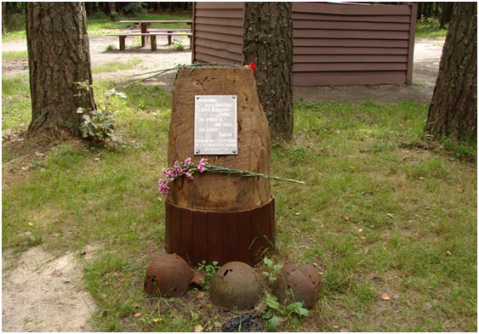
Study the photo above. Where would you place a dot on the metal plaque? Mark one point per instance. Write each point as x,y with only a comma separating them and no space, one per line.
216,130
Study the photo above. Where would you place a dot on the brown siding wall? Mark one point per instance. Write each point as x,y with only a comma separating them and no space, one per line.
351,44
334,44
218,32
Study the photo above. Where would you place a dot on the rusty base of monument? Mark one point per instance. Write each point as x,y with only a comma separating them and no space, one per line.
198,235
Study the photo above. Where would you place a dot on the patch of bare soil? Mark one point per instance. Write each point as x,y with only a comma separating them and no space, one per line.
45,293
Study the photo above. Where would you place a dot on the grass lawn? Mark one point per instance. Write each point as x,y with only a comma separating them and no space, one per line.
389,219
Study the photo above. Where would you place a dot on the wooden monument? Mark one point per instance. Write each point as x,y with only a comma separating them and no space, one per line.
213,217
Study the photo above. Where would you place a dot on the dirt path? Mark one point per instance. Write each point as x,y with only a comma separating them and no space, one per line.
42,292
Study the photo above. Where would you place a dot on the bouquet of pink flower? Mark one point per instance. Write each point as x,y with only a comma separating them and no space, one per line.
188,168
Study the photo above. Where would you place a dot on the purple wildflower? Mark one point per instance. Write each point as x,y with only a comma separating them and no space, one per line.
164,189
187,161
179,170
189,175
201,165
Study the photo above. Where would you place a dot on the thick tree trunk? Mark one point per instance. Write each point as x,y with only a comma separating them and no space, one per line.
453,110
59,65
268,42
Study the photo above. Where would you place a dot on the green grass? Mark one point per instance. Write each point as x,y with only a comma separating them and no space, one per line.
378,214
117,66
429,28
14,55
16,104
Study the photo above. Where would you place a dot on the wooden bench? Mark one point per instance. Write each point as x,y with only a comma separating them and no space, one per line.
152,35
167,30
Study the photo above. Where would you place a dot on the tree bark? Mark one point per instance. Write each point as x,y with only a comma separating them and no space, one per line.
59,66
453,110
268,42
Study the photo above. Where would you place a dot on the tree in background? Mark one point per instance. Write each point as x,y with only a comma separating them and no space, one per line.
59,66
453,110
268,42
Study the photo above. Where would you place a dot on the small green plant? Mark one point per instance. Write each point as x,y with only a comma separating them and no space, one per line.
209,271
272,270
110,47
274,312
100,124
178,45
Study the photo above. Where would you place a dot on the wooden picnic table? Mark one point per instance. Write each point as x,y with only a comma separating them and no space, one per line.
145,23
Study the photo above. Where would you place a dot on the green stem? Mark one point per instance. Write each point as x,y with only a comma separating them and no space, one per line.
245,173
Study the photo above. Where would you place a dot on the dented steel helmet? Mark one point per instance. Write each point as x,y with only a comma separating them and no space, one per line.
168,275
235,287
301,283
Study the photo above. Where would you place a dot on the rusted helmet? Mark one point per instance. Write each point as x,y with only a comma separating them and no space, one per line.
235,287
168,275
301,283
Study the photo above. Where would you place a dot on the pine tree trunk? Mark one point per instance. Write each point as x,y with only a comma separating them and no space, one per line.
268,42
59,66
453,110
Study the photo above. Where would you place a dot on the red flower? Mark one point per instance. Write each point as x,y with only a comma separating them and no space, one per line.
253,67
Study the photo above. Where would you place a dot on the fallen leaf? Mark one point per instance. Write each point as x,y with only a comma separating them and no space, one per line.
30,224
198,328
363,238
335,326
346,218
297,214
96,159
448,253
390,215
200,294
385,296
137,315
156,320
366,251
38,154
360,230
460,189
24,168
351,167
343,330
